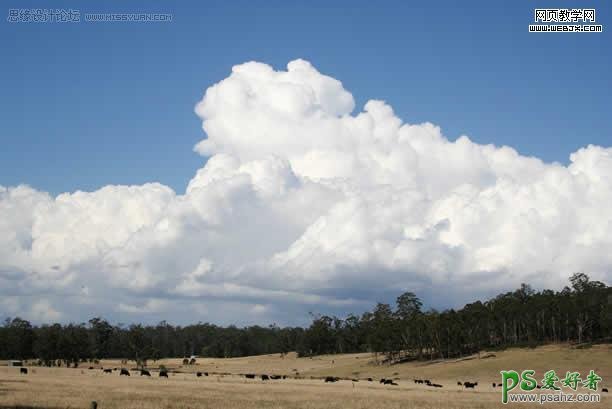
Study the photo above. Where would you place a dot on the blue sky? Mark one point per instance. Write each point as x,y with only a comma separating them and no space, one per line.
89,104
299,210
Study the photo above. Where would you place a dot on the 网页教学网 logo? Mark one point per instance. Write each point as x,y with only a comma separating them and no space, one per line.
565,21
551,387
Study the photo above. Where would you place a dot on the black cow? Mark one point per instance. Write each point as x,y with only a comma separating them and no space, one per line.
163,373
388,382
205,373
493,384
428,382
124,372
23,371
91,367
459,384
198,374
331,379
382,380
275,377
265,377
108,370
250,376
144,372
604,390
370,379
436,385
185,361
470,385
539,386
284,376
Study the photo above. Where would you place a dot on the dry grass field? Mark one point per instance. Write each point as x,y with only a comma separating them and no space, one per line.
225,388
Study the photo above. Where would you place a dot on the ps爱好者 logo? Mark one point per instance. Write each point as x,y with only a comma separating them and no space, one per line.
551,387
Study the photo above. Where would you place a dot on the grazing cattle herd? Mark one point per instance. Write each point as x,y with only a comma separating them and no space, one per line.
163,373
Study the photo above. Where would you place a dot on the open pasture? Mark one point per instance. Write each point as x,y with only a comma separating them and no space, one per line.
303,387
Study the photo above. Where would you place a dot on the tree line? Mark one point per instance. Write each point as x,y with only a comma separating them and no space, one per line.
580,313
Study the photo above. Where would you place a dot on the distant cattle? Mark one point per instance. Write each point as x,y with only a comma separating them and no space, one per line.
275,377
331,379
459,384
604,390
284,376
198,374
23,371
124,372
163,373
91,367
436,385
539,386
427,381
144,372
249,376
355,380
205,373
470,385
185,361
265,377
382,380
108,370
493,384
370,379
389,382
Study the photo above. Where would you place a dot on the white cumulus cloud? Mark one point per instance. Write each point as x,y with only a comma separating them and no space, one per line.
304,205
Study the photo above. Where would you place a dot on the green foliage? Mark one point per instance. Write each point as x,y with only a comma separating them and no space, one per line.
581,314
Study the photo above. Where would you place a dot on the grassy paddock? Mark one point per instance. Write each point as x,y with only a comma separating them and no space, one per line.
76,388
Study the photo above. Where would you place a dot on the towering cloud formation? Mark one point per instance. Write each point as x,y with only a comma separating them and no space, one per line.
302,203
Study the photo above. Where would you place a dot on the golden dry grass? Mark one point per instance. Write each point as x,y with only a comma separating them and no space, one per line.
75,388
